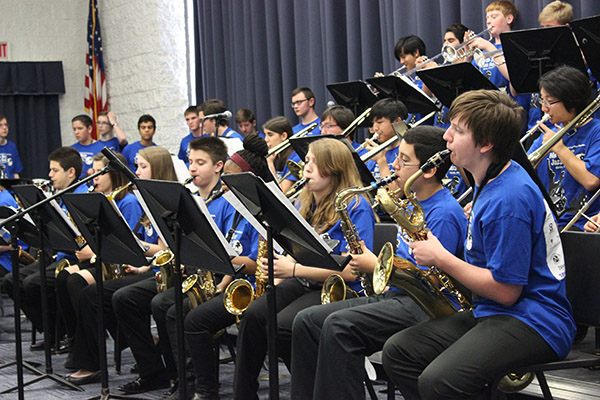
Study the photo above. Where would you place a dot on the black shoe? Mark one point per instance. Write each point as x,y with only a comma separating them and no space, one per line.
134,369
37,346
141,385
84,380
199,396
64,346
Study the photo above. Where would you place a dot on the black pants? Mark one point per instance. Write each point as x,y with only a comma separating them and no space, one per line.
85,348
330,342
291,297
458,356
131,305
160,305
31,296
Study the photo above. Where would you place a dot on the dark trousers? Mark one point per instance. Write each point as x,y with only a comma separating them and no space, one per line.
458,356
131,305
31,296
330,342
160,305
201,325
291,296
85,347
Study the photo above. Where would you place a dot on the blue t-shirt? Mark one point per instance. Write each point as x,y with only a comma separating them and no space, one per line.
131,209
7,200
293,157
446,220
230,133
362,217
314,132
130,152
456,184
87,154
9,158
511,235
112,144
566,193
184,150
490,70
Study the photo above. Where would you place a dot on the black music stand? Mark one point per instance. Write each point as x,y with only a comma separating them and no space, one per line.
187,228
415,100
285,225
111,240
530,53
447,82
587,31
53,232
354,95
301,144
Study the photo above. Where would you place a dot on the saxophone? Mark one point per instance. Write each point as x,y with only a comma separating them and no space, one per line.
199,287
427,288
334,287
165,261
239,294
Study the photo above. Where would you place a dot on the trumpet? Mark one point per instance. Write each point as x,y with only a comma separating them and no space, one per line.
536,157
480,57
286,143
451,53
534,128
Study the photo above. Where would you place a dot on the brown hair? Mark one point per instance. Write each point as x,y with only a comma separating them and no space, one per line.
117,178
161,163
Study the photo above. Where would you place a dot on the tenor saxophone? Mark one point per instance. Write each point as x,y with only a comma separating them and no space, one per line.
427,288
199,287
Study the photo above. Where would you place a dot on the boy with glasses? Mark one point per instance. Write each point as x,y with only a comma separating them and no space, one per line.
303,103
107,126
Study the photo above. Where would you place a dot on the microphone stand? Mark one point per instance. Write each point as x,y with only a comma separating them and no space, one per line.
12,226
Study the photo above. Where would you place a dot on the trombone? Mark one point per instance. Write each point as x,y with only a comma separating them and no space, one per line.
534,128
581,213
452,54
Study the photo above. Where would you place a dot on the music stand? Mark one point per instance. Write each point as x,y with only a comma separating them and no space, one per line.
285,225
354,95
52,232
530,53
588,35
447,82
185,225
415,100
301,144
111,240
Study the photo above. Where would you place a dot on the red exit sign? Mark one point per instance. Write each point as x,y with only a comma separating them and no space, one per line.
3,51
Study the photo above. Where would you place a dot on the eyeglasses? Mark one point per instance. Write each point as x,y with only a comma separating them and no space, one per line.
102,123
327,126
297,103
546,103
404,164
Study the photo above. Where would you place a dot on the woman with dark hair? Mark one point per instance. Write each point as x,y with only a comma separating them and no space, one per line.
278,130
571,170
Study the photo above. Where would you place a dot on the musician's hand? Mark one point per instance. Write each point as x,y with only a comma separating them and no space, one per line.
429,252
283,267
590,226
380,157
378,74
130,270
548,134
482,44
84,254
364,262
467,209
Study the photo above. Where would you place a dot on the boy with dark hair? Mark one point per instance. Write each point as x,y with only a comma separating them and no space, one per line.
107,126
192,119
10,162
86,145
303,104
383,114
65,168
147,129
246,122
323,334
513,265
408,49
219,127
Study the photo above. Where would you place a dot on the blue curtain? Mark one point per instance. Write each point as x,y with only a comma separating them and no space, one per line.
253,53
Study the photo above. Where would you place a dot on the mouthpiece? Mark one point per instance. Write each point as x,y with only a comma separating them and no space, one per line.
188,180
384,181
436,160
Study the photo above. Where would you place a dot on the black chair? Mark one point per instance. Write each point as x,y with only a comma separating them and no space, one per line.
582,252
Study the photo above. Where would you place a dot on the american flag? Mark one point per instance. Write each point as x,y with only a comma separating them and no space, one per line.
96,99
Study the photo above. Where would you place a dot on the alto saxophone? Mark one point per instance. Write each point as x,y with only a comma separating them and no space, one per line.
199,287
334,287
427,288
239,294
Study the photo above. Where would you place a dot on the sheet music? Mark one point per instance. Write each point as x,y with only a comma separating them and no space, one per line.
149,215
226,245
63,215
274,188
181,170
233,144
230,197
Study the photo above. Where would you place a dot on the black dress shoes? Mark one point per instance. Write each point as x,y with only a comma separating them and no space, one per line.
141,385
84,380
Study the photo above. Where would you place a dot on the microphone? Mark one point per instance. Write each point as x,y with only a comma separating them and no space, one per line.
224,115
117,165
330,103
